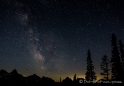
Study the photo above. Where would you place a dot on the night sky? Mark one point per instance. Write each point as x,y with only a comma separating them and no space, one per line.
51,37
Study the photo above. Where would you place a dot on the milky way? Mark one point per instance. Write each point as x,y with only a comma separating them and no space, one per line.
51,37
42,47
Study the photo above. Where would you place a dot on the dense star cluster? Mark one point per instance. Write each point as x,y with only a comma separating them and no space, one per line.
51,37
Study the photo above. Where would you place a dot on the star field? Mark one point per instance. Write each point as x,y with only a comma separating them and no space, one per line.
51,37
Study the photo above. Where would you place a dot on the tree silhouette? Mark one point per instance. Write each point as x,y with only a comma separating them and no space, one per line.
121,47
115,60
60,80
74,78
90,74
104,65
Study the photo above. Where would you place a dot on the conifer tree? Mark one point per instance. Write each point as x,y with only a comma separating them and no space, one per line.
74,78
115,60
90,74
121,47
104,65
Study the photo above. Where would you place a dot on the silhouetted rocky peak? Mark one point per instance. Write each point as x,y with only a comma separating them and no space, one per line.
34,76
14,75
47,79
14,72
67,80
3,72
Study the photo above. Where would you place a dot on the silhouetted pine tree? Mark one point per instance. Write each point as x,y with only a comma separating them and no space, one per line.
90,74
121,47
74,78
104,65
115,60
60,80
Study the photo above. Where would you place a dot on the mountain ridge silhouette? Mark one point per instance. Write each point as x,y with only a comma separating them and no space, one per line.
14,78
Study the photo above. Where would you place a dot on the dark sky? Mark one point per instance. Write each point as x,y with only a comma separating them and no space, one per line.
51,37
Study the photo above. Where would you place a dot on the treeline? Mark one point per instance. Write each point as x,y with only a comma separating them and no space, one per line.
113,68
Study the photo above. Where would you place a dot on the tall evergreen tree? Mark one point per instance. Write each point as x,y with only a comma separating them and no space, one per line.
104,65
90,74
74,78
60,80
115,60
121,47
